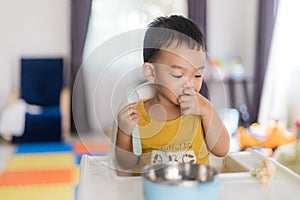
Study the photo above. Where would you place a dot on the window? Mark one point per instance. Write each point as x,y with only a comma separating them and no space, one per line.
109,18
108,73
281,97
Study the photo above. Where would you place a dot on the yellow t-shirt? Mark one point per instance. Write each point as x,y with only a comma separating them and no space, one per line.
179,140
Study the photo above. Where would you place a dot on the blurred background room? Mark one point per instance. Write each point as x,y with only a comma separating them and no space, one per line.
251,75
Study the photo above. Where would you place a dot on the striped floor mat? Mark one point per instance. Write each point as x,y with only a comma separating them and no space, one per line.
45,170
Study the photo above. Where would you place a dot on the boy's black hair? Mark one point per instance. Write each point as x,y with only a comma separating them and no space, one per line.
163,31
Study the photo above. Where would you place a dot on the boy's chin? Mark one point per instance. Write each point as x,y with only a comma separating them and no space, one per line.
176,102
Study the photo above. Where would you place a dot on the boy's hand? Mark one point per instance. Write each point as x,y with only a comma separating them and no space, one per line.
189,102
128,117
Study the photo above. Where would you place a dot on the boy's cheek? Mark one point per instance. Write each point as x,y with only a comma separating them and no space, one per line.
174,95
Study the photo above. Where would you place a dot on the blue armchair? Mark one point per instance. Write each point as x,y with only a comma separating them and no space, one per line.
41,84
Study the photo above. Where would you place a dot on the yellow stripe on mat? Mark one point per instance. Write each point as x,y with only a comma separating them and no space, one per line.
76,174
41,161
45,192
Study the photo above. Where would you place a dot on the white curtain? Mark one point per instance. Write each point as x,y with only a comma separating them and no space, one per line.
281,92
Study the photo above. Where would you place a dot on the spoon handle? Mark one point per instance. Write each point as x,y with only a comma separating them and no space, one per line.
136,141
133,96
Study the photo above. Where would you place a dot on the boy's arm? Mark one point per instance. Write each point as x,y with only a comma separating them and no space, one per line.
128,118
124,151
216,135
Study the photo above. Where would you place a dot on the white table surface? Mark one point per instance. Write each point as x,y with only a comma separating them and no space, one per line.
99,181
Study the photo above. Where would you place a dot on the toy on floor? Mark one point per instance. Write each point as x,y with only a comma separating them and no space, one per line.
289,156
271,136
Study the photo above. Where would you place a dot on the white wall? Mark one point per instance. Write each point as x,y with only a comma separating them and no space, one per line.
30,28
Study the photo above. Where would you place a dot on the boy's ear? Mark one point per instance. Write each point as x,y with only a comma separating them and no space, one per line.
148,70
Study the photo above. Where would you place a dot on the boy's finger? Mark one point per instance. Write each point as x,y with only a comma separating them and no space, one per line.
189,91
184,98
128,107
133,104
184,105
135,118
132,111
185,111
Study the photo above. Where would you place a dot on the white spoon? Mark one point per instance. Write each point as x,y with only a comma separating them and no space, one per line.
132,97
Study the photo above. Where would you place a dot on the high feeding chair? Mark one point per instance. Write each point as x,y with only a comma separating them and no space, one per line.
41,85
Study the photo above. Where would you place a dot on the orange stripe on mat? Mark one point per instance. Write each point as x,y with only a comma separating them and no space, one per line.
83,148
33,177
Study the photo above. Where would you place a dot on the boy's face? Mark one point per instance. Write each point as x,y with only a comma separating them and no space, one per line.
177,68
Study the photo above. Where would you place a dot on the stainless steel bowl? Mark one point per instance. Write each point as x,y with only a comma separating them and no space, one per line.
184,174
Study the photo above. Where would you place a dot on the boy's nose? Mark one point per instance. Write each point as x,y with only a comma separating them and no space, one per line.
188,83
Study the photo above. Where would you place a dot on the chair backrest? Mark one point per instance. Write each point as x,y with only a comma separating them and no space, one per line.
41,80
230,118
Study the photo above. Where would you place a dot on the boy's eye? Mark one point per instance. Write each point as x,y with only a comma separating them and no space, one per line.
198,76
177,76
